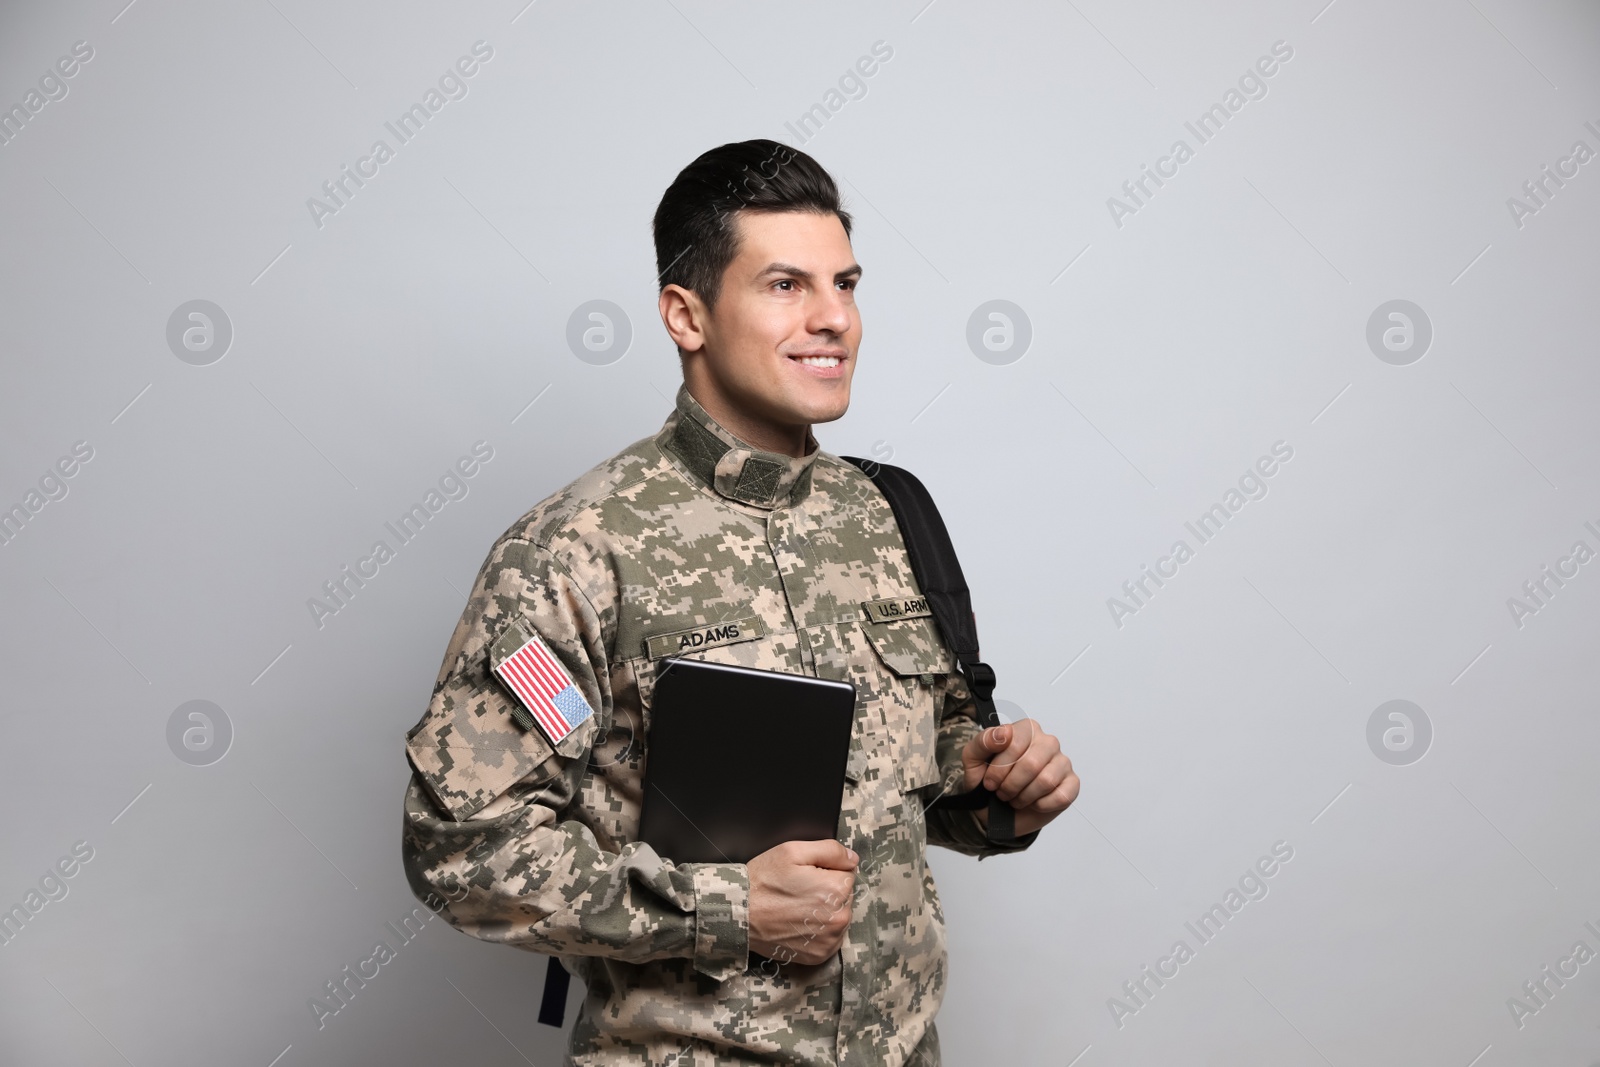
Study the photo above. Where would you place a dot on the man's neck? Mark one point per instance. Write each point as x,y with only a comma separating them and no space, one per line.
795,441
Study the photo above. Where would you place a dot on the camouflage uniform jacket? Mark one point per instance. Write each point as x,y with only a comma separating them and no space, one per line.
694,543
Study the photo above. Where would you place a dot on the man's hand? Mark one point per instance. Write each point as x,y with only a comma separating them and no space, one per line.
800,894
1026,768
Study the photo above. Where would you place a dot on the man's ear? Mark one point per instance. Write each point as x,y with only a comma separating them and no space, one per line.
684,315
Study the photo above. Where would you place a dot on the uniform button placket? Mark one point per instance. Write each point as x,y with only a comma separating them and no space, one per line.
784,559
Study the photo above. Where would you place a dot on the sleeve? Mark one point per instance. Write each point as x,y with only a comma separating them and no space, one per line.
490,838
953,828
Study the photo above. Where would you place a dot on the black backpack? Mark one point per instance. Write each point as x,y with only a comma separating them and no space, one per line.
938,571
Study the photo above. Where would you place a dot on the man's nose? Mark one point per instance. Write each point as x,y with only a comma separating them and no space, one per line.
830,314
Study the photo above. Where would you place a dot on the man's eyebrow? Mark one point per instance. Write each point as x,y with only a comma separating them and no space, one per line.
852,271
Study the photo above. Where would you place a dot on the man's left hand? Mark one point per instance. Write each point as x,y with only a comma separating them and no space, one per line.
1026,768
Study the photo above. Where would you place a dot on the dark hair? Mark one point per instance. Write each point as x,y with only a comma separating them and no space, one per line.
694,231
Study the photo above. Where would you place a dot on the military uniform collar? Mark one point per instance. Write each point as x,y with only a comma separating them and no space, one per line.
716,458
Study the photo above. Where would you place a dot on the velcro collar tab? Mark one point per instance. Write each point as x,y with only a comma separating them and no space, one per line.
714,457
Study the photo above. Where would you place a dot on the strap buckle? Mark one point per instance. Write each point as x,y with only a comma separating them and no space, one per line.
980,678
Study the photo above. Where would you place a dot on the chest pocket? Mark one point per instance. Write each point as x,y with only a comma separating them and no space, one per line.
742,642
912,652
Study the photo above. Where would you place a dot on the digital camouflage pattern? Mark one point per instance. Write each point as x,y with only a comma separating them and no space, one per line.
692,543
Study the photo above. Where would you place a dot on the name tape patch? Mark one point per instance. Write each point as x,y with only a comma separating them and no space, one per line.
898,607
713,636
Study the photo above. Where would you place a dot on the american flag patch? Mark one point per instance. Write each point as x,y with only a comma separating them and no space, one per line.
545,689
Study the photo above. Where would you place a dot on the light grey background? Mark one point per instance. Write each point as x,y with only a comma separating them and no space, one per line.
1167,354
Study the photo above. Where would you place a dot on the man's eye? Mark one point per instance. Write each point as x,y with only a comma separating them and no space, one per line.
785,281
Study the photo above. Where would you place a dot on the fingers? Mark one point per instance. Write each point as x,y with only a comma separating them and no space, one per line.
977,752
1047,807
801,900
984,744
828,854
1051,778
1020,762
1018,737
1064,795
816,922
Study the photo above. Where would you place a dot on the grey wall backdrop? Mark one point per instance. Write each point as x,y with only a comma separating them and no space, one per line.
1339,345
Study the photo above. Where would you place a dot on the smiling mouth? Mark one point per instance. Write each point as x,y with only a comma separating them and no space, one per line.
818,361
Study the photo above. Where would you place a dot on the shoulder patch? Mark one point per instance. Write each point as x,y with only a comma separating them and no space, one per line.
549,698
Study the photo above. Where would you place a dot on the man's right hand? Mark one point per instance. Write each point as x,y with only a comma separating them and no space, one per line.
800,895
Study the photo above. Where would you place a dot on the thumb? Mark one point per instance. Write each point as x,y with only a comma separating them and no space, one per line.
986,744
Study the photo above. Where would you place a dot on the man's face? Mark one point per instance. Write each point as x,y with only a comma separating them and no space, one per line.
780,346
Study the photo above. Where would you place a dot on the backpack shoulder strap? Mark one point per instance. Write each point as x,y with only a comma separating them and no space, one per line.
553,1002
938,571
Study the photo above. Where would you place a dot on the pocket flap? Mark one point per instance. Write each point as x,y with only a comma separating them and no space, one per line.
910,645
467,749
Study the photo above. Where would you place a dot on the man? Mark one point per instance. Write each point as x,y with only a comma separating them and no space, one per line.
815,952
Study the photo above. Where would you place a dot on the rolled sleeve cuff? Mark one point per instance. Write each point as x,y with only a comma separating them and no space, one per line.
722,919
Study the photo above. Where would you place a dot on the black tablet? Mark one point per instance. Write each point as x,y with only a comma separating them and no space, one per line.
738,760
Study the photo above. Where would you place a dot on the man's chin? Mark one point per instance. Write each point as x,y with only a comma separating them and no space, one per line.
824,409
797,407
